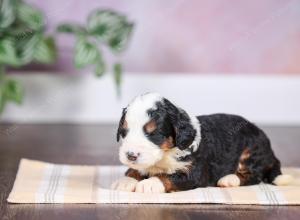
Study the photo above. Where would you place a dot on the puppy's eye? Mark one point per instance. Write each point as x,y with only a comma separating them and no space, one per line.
150,127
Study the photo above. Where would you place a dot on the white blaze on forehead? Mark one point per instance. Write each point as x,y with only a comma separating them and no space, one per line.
137,110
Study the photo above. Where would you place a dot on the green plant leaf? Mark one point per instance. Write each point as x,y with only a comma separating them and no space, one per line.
111,28
100,68
30,16
10,90
13,91
108,27
19,32
71,29
120,39
26,47
2,99
117,68
7,13
101,22
45,51
8,52
86,53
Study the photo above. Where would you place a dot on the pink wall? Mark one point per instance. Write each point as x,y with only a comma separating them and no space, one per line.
229,36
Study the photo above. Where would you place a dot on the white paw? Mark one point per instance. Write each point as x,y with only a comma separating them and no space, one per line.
230,180
125,184
151,185
283,180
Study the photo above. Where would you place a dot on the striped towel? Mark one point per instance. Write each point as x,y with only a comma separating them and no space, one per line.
39,182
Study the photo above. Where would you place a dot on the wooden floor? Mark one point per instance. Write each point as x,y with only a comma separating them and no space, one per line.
95,144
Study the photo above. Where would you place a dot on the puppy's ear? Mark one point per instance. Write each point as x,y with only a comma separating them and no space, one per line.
121,124
181,122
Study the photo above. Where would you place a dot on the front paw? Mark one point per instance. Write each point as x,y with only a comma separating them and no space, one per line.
125,184
151,185
230,180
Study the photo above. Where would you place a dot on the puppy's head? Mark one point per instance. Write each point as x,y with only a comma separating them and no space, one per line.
150,126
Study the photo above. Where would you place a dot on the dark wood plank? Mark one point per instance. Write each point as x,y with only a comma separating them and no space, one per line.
95,144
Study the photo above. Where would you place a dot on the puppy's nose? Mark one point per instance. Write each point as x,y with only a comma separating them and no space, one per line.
132,156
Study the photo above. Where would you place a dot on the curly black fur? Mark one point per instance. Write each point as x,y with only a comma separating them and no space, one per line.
225,138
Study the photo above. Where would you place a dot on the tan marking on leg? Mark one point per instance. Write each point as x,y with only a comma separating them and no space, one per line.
242,171
134,174
169,186
245,154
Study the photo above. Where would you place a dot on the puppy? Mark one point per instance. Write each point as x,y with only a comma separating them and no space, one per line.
167,150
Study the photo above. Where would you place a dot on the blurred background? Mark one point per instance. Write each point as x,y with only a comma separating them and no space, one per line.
207,56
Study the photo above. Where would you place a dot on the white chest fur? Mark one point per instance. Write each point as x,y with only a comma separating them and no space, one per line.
168,164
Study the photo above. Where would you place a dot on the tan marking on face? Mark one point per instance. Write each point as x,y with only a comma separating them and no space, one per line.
150,126
169,164
242,171
168,184
167,144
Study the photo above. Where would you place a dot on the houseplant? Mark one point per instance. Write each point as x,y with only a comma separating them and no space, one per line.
22,41
103,28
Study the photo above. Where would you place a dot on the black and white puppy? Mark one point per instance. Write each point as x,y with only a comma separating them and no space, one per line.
166,149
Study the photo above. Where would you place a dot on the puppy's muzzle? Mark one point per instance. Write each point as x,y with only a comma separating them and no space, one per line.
131,156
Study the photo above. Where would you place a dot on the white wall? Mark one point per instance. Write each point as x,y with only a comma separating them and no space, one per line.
268,99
